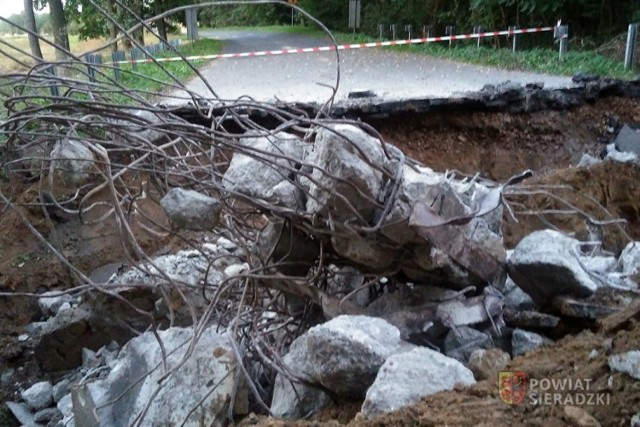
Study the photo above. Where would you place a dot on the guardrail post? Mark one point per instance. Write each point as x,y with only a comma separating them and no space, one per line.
93,59
632,35
426,31
561,33
450,30
407,29
515,37
53,87
477,30
116,57
380,31
393,28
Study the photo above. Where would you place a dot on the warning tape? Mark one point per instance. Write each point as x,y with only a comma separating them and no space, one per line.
346,46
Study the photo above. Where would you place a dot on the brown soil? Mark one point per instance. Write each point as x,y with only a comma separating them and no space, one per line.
496,145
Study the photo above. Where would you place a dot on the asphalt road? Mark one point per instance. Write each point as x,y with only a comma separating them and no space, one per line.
303,77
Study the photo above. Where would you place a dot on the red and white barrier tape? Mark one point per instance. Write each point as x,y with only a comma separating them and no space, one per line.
347,46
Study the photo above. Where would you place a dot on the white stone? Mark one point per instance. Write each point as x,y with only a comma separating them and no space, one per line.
628,363
343,355
73,161
346,152
265,162
51,301
22,413
236,270
188,209
629,260
544,264
485,364
39,395
622,157
525,341
587,160
190,387
406,378
61,389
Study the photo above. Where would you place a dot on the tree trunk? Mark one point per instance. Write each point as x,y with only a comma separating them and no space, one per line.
160,24
59,26
138,8
113,29
30,23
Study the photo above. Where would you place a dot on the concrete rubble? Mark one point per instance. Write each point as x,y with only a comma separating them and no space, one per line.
73,161
191,210
407,377
628,363
485,364
457,308
264,171
187,396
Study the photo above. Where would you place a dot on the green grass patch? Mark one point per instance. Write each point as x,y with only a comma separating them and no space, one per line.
536,60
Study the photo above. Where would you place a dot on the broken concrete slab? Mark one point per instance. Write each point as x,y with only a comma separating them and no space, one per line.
486,363
627,363
61,339
263,163
544,264
350,186
529,319
470,311
462,341
583,309
628,140
525,341
418,183
365,251
191,210
187,396
407,377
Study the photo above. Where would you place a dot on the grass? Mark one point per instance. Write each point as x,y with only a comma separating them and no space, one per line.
78,46
540,60
179,69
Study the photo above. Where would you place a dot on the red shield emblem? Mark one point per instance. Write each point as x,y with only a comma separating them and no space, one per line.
512,386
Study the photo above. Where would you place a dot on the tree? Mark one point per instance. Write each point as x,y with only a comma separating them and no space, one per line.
30,23
58,26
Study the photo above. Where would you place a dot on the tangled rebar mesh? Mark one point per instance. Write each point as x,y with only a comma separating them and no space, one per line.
128,152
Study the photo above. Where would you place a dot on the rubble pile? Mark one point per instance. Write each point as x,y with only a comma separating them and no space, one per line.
416,291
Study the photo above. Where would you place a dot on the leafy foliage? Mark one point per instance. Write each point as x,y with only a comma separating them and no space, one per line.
244,15
597,19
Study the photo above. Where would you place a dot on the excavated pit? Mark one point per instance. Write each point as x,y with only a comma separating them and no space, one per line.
494,144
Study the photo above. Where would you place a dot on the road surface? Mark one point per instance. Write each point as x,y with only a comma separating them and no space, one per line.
303,77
